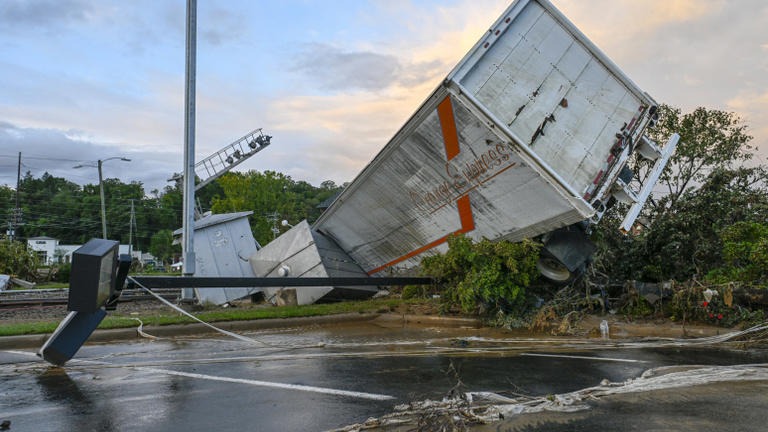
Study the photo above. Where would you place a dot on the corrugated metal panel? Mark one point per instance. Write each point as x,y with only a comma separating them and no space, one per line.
305,253
412,199
222,249
553,94
215,219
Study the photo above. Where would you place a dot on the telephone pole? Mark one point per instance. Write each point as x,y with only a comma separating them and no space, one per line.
15,217
131,224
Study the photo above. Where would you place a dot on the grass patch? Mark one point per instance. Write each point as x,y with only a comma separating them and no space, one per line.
117,320
52,285
27,328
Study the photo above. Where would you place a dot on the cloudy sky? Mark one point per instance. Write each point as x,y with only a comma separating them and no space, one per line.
331,81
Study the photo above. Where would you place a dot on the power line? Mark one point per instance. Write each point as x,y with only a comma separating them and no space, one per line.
43,158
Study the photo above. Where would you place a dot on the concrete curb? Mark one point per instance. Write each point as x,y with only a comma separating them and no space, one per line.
125,334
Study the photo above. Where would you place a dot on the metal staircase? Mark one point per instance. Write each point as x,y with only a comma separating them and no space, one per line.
217,164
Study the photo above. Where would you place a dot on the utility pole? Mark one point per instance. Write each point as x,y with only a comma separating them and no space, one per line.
188,223
272,217
16,213
130,231
101,190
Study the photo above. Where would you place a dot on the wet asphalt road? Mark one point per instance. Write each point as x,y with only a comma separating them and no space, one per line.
287,382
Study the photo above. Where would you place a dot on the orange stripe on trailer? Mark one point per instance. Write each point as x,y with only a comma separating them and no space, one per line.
411,254
451,140
467,225
448,125
465,215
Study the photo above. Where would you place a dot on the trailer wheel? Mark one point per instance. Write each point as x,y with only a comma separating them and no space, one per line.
552,269
565,254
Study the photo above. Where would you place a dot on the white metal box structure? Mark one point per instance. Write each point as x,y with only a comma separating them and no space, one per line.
223,244
302,252
529,133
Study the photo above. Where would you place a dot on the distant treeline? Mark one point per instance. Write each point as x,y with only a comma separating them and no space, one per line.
56,207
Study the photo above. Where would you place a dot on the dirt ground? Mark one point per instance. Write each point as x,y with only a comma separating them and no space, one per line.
620,327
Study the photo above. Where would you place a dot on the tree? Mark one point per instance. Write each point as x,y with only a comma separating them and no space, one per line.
162,246
7,204
686,241
709,140
17,260
272,197
706,189
745,252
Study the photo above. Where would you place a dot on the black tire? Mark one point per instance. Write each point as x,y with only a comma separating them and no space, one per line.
555,271
565,254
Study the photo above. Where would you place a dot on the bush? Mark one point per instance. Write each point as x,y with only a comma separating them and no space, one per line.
484,277
62,275
745,252
414,292
17,260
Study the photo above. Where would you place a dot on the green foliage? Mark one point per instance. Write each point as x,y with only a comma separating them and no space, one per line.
61,209
162,246
637,306
690,305
414,292
706,190
17,260
686,241
272,197
745,252
62,275
485,276
709,140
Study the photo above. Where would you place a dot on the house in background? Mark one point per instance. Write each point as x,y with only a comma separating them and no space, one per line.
44,247
50,252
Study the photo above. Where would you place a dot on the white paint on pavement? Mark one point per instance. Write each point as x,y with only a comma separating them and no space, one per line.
584,357
297,387
323,390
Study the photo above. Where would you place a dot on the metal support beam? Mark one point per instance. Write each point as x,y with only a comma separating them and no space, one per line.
650,182
259,282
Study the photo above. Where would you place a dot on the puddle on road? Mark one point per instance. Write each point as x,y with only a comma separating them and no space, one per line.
404,361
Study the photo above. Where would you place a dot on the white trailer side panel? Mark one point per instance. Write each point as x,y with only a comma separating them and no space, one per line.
539,77
420,190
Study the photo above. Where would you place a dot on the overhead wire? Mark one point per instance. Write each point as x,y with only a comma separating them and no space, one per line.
211,326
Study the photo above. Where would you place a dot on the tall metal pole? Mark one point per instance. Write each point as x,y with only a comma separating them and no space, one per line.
130,230
18,181
189,148
103,205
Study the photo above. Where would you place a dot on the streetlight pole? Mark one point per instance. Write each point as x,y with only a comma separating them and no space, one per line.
188,213
101,191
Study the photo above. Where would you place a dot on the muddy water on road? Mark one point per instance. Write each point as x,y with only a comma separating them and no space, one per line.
325,377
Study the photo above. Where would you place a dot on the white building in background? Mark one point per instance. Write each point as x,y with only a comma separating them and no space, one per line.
63,254
49,251
44,247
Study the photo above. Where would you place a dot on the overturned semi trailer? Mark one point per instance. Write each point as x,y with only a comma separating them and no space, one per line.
528,137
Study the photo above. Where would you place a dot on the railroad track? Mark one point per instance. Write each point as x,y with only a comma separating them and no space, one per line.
31,298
